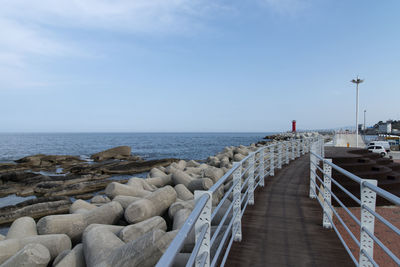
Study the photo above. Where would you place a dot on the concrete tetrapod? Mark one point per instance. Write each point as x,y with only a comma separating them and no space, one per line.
22,227
35,255
143,252
183,193
99,241
160,181
178,205
125,201
75,258
180,217
179,177
153,205
73,225
200,184
155,172
134,231
54,243
114,189
80,204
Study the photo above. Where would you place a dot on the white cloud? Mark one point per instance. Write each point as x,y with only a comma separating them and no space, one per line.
35,28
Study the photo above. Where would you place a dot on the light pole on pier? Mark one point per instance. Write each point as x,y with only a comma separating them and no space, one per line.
357,82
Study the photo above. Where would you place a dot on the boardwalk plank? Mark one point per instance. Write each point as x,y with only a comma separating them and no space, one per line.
284,227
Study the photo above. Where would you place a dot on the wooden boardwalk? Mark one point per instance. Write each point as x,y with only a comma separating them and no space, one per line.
284,227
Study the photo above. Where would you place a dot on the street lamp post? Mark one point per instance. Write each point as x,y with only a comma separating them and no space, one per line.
365,126
357,82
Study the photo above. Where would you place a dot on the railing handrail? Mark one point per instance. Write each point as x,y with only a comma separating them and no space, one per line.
258,161
368,192
383,193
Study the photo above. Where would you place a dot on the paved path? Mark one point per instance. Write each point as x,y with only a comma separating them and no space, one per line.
284,227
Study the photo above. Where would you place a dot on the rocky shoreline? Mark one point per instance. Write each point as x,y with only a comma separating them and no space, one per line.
131,224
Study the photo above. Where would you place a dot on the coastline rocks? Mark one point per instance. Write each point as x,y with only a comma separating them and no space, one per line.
74,258
81,205
180,177
200,184
183,192
135,231
154,204
120,152
114,189
22,227
35,208
73,225
125,201
49,161
54,243
143,252
35,255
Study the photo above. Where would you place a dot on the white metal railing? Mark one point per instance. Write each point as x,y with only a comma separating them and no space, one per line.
367,203
245,176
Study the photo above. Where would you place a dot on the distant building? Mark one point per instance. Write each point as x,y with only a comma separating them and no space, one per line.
385,128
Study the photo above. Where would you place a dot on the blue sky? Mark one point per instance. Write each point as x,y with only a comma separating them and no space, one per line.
191,65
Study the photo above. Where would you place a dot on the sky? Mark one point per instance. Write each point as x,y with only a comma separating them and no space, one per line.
196,65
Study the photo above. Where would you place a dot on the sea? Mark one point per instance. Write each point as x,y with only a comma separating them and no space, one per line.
197,146
187,146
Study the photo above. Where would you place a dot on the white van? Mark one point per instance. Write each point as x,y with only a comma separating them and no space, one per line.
385,144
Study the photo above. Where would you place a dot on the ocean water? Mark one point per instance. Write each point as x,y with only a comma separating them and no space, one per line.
197,146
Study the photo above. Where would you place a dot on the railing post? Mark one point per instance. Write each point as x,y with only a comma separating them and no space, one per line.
303,146
251,179
312,173
327,195
261,168
204,218
368,199
271,160
237,203
292,154
287,152
279,149
298,148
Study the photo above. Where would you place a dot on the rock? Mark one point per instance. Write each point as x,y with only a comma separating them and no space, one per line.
49,161
160,181
180,217
99,242
192,163
183,193
213,173
120,152
75,258
22,227
238,157
81,205
179,177
114,189
152,205
100,199
213,161
73,225
61,256
135,231
129,167
35,208
143,252
35,255
141,183
200,184
125,201
155,172
178,205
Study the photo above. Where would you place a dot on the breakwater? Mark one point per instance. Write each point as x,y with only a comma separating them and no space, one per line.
132,223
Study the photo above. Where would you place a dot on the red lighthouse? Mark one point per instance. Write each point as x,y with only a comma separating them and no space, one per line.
293,126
